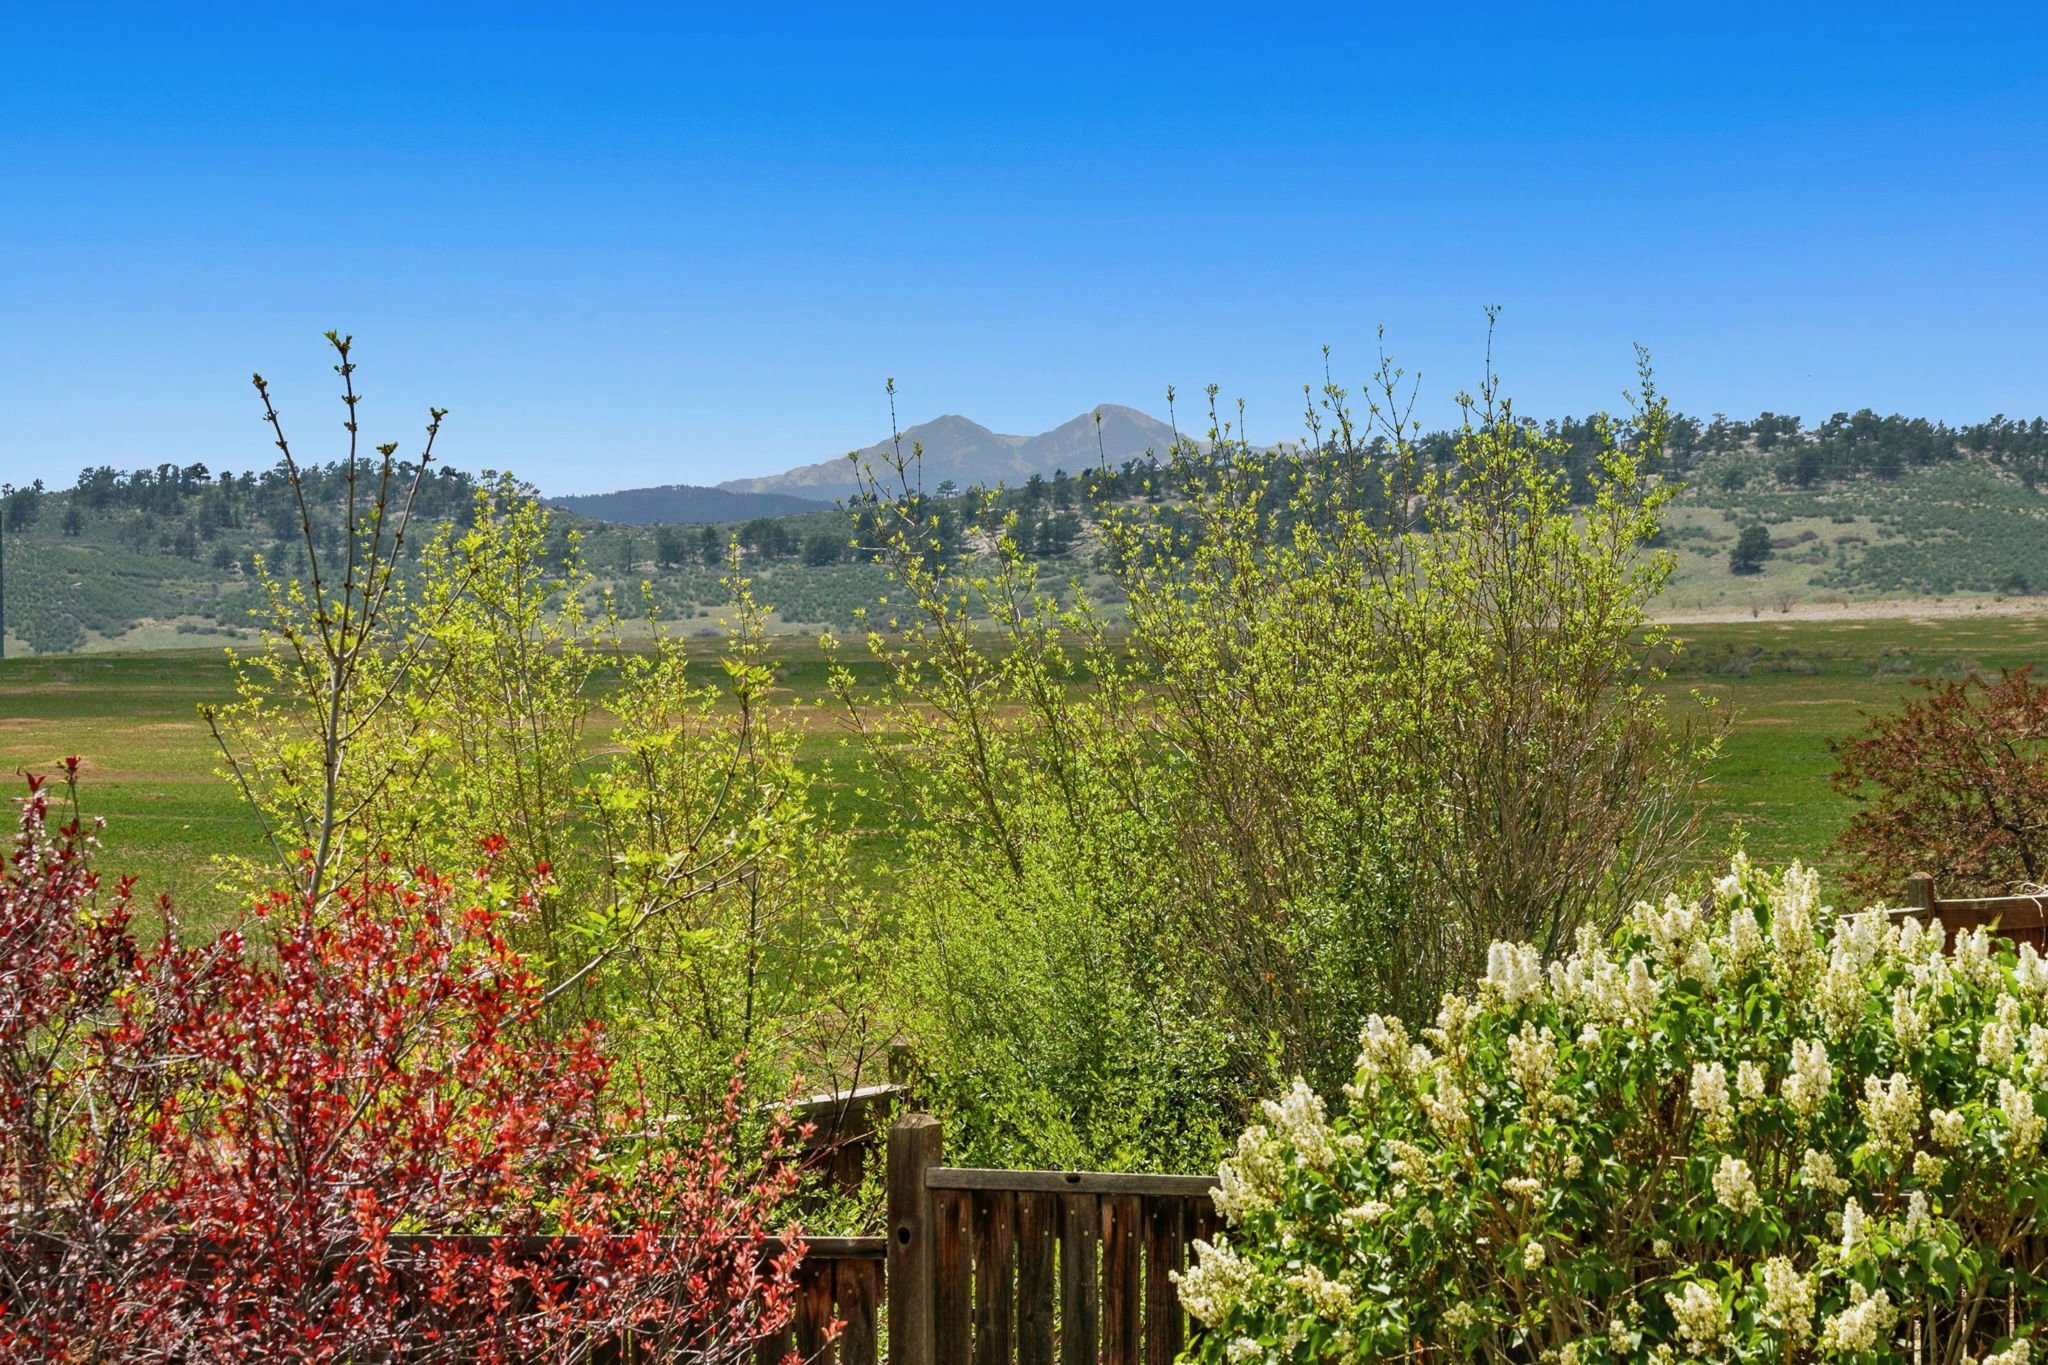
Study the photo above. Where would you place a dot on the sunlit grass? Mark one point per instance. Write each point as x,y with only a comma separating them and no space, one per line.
1788,688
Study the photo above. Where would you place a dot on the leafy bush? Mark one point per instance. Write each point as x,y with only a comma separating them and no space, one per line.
1953,783
1745,1129
215,1151
1371,707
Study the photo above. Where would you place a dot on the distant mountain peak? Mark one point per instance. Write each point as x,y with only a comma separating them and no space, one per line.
966,452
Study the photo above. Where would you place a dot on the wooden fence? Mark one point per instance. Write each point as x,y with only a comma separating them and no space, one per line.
1033,1267
2023,919
839,1279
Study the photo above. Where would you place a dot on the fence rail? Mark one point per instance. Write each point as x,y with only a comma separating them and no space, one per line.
2022,918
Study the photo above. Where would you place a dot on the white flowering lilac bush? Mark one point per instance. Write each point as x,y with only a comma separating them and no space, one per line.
1751,1130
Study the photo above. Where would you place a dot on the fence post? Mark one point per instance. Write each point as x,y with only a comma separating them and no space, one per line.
916,1144
899,1061
1920,893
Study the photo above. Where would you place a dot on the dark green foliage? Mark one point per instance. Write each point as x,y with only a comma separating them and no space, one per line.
683,504
1752,548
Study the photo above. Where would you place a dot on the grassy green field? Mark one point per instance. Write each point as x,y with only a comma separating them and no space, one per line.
1787,687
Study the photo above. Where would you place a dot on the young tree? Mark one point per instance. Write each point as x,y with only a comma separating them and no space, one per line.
823,547
319,725
679,885
1750,550
1953,783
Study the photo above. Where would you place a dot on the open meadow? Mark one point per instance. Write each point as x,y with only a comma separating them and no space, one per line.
1787,687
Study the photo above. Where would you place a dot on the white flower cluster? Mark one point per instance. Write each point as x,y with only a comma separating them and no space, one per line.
1383,1048
1788,1297
1912,1019
1322,1296
1735,1187
1297,1119
1919,1219
1862,1325
1532,1061
1852,1228
1217,1283
1701,1316
2030,973
1843,996
1751,1084
2000,1038
1743,947
2023,1125
1794,953
1810,1079
1513,973
1972,961
1360,1215
1679,938
1817,1171
1891,1112
1709,1095
1252,1178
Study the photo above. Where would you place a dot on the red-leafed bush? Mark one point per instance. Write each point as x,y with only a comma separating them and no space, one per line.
1953,783
357,1141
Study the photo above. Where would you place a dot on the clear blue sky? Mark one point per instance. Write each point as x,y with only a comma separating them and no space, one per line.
630,246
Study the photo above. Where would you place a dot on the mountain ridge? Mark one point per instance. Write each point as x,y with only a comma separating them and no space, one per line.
966,452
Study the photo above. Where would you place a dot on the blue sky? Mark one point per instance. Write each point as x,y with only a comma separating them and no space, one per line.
635,245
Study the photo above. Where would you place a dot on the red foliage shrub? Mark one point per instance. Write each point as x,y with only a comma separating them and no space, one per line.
1955,783
362,1143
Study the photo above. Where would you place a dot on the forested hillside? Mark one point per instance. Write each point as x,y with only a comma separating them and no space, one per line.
1855,507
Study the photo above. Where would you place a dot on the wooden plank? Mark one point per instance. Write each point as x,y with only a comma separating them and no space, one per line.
1037,1216
1208,1223
859,1288
995,1213
814,1315
1080,1278
1067,1182
774,1349
916,1144
1122,1287
952,1276
1166,1226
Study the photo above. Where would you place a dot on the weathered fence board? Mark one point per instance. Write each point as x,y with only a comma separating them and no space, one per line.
1080,1282
953,1267
1037,1277
859,1287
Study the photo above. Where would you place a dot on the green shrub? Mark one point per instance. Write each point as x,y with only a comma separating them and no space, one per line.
1362,715
1747,1130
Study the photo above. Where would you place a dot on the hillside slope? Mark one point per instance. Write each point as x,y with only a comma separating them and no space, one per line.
682,504
1854,513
